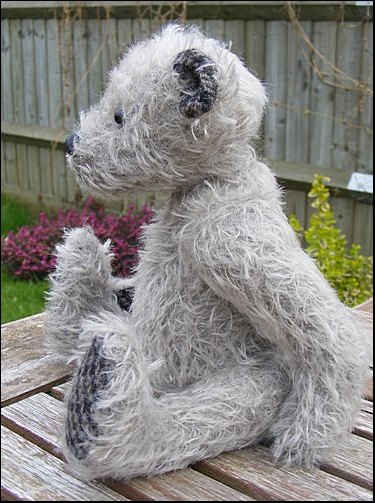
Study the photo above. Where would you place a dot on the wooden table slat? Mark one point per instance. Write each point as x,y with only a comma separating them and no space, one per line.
367,406
253,472
354,462
38,418
364,425
26,365
29,473
33,468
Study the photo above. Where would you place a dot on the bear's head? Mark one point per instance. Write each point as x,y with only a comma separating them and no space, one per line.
176,109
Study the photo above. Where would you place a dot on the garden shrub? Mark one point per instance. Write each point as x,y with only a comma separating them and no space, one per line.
348,272
29,252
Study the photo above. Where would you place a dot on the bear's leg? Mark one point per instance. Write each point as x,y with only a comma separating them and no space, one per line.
116,427
81,284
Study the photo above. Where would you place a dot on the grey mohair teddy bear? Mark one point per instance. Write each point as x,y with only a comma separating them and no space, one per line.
227,334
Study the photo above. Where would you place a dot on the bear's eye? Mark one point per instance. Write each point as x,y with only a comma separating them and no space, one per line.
119,117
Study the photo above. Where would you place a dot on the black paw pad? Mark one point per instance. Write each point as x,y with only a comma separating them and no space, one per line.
92,377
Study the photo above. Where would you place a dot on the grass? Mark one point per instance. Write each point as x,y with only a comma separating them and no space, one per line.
19,298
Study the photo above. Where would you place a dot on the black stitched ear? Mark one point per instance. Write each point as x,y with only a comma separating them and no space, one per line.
197,74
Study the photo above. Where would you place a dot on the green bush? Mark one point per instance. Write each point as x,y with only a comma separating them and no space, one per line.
348,272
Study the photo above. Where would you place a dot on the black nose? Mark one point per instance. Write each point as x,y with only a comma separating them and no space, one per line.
69,143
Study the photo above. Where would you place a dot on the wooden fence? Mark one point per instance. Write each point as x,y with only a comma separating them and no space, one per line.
316,58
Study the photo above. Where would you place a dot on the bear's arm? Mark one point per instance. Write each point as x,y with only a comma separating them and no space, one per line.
250,256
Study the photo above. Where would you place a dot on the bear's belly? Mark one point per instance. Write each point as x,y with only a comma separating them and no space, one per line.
186,327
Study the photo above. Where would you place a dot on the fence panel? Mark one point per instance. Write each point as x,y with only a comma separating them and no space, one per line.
317,65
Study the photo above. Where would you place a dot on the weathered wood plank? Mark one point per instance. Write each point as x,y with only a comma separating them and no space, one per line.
18,101
11,164
298,96
26,365
54,75
354,462
59,171
80,64
60,390
95,47
4,176
343,209
253,472
369,391
31,474
363,230
268,10
124,35
347,103
367,406
182,485
365,161
322,97
235,34
6,82
38,418
141,29
41,83
67,69
276,61
28,49
7,114
296,203
215,28
42,97
364,425
256,46
109,53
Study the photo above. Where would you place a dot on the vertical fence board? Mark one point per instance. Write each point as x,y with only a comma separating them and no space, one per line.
41,84
28,61
95,46
67,58
196,22
63,64
42,98
365,161
363,230
295,202
276,59
4,176
235,34
343,209
9,172
6,83
54,75
346,105
215,28
256,46
322,97
59,174
80,36
11,163
298,86
109,53
124,35
141,29
18,100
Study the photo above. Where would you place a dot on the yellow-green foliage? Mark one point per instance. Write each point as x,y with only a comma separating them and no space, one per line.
349,272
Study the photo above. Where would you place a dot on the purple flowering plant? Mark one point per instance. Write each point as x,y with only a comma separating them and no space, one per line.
29,252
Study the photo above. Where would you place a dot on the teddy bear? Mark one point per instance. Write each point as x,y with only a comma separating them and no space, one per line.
226,335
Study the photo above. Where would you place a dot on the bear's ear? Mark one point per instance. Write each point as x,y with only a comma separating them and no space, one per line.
198,76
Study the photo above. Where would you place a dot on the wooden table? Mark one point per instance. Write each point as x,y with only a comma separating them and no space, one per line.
33,386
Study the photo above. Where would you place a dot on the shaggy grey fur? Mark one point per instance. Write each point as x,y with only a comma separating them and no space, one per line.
233,335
